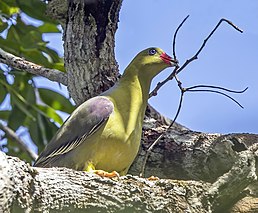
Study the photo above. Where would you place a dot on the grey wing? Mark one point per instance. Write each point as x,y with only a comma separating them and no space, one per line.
82,123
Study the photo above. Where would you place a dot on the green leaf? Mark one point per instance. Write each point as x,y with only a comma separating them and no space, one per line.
16,118
55,100
4,114
50,128
7,9
3,26
53,54
42,131
50,112
22,107
48,28
59,66
36,134
3,93
35,9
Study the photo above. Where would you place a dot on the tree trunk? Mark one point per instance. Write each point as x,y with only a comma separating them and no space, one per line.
215,173
89,41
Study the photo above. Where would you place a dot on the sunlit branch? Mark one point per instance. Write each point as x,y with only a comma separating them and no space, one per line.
21,64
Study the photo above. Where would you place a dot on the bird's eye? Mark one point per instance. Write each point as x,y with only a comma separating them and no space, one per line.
152,52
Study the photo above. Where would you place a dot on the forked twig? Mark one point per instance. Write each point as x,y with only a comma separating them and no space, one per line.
188,61
160,84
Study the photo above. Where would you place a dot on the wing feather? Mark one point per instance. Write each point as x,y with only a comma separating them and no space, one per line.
81,124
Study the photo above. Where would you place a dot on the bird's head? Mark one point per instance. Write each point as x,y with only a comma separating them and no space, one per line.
152,61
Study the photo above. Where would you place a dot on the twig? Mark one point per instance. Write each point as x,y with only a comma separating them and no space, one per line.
217,87
195,89
164,133
21,64
205,41
177,70
188,61
12,135
175,34
154,92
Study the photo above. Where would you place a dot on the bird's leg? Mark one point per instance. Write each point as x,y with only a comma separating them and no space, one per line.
90,167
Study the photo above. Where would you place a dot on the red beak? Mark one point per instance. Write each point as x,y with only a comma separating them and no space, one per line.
168,60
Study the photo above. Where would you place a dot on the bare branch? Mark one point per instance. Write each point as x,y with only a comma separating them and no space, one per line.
204,43
13,136
165,132
188,61
174,38
21,64
195,89
217,87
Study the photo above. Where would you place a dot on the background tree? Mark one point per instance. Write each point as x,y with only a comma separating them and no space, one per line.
88,32
30,107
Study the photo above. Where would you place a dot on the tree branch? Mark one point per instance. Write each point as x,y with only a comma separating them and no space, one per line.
64,190
21,64
12,135
242,174
30,189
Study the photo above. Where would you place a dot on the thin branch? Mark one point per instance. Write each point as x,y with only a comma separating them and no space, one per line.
183,90
175,34
21,64
13,136
217,87
196,89
154,92
188,61
205,41
164,133
218,92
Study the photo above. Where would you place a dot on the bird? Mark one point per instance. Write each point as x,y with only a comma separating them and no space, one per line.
103,134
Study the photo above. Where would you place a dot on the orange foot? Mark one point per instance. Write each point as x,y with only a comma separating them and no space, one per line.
103,173
153,178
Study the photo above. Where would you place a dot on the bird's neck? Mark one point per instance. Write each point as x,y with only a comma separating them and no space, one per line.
130,95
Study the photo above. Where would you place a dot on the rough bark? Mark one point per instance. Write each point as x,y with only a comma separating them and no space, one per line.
186,154
28,189
89,41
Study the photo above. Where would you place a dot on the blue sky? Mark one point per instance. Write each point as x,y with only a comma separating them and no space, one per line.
230,59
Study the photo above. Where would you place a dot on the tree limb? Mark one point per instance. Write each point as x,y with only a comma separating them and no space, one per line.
28,189
64,190
228,186
188,155
21,64
12,135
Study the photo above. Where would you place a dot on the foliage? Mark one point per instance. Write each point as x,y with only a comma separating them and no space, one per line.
30,107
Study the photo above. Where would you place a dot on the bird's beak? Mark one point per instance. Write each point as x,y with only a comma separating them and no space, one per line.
168,60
